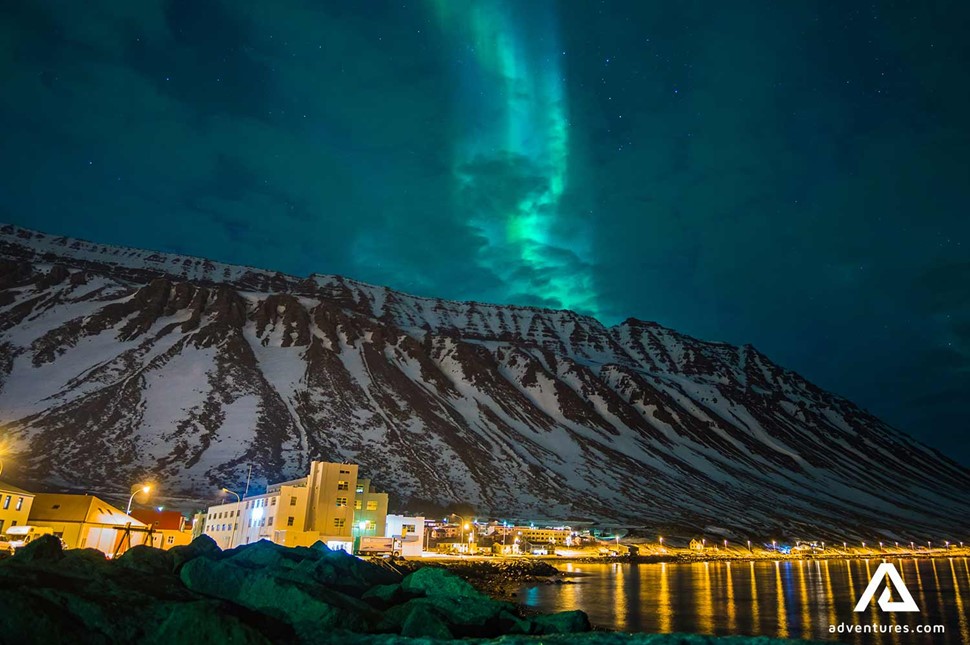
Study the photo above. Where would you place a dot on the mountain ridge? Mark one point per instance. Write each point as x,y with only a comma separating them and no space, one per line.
517,409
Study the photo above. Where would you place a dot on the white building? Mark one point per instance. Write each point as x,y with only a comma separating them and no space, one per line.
409,531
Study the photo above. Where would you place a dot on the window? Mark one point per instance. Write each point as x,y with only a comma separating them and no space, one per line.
292,500
371,505
1,524
269,520
407,528
357,504
272,502
341,501
171,539
343,485
6,503
13,523
360,490
56,506
344,472
338,522
289,521
20,503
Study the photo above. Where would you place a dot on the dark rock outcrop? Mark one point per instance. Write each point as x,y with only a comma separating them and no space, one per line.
257,593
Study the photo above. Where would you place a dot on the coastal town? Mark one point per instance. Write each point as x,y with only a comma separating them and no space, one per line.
338,507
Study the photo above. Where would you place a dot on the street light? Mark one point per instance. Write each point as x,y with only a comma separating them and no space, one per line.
749,547
237,519
144,489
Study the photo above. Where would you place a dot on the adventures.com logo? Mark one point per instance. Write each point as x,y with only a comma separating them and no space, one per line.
894,586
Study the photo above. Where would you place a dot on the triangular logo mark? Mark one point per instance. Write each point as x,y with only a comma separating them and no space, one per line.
885,570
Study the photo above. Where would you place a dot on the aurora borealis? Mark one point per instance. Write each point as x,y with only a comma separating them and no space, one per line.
512,158
791,175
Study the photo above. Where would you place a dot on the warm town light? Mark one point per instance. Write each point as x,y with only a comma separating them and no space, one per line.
146,489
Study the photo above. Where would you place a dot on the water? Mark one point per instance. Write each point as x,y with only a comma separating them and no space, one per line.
789,599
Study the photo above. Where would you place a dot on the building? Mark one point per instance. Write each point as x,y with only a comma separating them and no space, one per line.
370,509
318,507
15,506
85,521
169,527
561,536
409,532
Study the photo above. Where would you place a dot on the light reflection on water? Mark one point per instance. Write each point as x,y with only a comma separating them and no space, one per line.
789,598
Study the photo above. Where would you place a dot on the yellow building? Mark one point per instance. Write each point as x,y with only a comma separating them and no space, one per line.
370,510
560,536
85,521
318,507
14,506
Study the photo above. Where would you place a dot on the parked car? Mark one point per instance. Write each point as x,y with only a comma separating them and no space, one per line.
18,536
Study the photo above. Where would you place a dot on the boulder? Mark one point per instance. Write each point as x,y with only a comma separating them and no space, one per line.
384,596
564,622
463,615
86,562
30,619
203,622
306,607
147,559
45,549
202,546
263,554
423,621
342,571
435,581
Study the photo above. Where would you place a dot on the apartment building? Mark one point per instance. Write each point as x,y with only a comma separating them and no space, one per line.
319,507
370,509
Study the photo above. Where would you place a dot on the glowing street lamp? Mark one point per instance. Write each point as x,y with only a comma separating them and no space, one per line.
749,547
144,489
237,519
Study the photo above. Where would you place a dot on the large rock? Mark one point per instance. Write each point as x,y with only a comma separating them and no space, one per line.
202,546
147,559
204,622
45,549
463,615
435,581
565,622
308,608
423,621
384,596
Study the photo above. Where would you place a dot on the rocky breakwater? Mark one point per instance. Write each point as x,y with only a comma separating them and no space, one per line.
256,593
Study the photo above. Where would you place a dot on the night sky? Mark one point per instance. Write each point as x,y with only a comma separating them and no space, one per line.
788,174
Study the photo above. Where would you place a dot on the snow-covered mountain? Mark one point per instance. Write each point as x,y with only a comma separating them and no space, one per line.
116,364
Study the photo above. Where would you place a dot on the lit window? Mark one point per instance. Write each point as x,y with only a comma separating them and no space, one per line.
338,522
289,521
6,503
360,490
343,485
357,504
341,501
20,503
407,528
371,505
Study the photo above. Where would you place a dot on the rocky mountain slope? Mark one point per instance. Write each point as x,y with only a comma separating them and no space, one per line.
116,364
